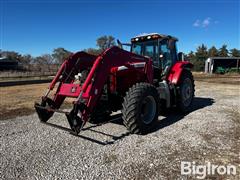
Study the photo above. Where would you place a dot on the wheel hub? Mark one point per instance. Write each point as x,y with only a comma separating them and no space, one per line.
187,92
148,110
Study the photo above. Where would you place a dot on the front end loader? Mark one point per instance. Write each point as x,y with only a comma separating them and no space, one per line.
140,83
88,92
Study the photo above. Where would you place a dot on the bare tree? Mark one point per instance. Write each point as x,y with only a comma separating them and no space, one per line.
60,54
105,42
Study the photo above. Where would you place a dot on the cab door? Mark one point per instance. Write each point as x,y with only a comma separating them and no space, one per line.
151,50
167,56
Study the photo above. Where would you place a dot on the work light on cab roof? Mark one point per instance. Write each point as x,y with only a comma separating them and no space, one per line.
149,36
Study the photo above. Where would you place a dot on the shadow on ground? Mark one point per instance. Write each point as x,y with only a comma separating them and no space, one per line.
114,119
171,116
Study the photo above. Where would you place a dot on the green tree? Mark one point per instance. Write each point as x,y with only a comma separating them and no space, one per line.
235,52
105,42
223,51
213,52
202,53
191,56
200,56
60,54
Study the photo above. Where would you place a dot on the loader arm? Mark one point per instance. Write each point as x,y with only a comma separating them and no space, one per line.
88,93
65,75
112,57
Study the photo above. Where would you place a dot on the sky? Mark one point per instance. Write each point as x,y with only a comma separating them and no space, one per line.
37,27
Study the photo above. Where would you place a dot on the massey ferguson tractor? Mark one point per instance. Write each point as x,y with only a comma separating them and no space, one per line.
140,83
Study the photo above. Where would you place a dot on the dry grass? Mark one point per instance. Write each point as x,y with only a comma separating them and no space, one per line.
218,78
19,100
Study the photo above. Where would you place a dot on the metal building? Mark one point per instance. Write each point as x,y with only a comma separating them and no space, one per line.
212,64
7,64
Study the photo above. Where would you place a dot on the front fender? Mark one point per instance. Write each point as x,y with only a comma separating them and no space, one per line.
176,71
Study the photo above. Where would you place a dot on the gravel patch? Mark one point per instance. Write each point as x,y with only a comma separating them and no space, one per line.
210,132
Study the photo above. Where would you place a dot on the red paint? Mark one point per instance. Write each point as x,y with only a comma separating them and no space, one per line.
176,71
71,90
102,68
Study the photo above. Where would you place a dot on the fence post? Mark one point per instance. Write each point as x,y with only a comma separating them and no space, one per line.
237,65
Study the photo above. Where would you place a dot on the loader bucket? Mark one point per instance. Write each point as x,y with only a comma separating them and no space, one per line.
75,122
44,110
42,113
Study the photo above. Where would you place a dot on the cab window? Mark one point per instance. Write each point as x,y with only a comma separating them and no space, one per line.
137,49
150,50
165,54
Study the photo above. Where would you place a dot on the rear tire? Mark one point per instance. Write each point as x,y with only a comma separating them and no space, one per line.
186,90
140,108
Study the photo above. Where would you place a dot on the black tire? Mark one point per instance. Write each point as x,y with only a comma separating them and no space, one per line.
140,108
100,114
186,90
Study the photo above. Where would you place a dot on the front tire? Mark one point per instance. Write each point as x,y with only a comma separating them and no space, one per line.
140,108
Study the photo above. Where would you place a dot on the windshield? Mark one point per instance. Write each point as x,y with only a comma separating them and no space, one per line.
137,49
147,48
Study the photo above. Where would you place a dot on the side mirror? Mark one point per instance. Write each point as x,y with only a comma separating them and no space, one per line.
180,56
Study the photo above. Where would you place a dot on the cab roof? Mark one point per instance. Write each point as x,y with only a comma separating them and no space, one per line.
150,36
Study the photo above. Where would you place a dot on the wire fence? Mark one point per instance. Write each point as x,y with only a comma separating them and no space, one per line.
31,70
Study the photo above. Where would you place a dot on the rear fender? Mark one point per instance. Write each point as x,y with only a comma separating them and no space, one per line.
176,71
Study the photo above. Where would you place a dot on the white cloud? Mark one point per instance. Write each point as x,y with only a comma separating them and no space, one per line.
204,23
197,23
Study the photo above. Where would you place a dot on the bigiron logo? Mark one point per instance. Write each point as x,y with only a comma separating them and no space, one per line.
201,171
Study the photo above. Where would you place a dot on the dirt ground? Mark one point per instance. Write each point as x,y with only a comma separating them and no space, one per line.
218,78
19,100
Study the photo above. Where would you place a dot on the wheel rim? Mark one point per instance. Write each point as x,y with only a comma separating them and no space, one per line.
187,90
148,110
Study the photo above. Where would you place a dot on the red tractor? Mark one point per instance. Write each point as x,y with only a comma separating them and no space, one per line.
151,77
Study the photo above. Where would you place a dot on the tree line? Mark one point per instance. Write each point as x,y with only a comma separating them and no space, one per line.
60,54
56,57
202,53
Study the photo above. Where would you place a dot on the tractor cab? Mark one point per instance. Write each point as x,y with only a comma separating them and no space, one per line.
160,48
